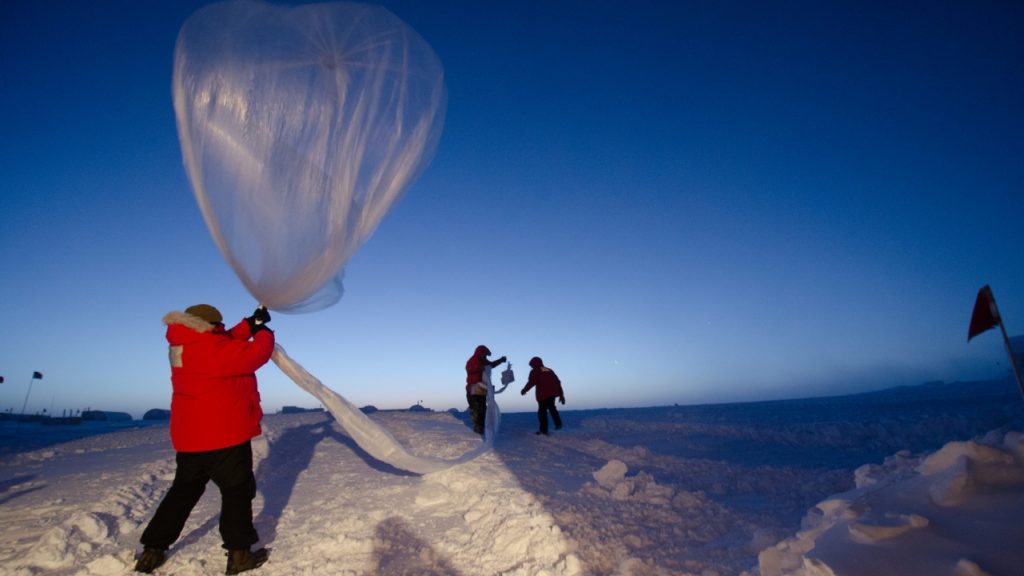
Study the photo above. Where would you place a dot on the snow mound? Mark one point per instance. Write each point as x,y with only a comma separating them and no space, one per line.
611,474
612,482
905,516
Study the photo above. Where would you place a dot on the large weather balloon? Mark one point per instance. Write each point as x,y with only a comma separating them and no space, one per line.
300,127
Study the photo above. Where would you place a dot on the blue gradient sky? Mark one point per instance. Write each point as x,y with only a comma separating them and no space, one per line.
671,202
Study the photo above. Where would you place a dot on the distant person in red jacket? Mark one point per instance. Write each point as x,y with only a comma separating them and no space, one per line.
548,387
476,389
215,413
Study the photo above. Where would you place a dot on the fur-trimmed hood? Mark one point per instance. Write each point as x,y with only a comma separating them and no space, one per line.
187,320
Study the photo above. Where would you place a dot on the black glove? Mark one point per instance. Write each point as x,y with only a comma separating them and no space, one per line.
500,360
562,400
258,320
522,392
261,315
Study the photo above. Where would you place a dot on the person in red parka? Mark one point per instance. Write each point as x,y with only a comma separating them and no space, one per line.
548,387
215,413
476,389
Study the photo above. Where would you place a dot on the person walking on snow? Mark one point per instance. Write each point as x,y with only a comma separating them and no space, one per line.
548,387
215,413
476,389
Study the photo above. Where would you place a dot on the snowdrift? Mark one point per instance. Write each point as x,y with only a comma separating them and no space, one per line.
956,511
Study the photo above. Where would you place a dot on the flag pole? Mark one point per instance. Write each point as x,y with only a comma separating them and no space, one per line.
35,376
985,316
25,404
22,416
1013,358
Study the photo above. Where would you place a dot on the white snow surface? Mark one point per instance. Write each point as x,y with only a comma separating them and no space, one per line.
921,480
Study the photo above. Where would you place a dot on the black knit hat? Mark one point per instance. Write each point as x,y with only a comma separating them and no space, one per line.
206,312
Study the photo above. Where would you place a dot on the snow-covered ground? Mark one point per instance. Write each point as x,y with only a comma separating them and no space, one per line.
923,480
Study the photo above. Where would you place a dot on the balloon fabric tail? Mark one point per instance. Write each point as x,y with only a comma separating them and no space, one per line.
370,436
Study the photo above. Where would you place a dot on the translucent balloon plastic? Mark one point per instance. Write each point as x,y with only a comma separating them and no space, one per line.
375,440
300,127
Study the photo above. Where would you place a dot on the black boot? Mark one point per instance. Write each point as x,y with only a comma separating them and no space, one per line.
244,560
149,560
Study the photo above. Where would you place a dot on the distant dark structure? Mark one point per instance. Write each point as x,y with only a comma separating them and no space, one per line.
419,408
368,409
62,421
105,416
298,410
157,414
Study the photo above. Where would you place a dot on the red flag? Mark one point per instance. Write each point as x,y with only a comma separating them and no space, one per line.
985,315
37,375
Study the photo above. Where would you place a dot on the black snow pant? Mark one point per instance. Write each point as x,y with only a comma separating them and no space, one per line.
543,407
477,411
231,471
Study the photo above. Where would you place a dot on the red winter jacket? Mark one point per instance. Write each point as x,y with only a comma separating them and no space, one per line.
545,379
215,403
475,369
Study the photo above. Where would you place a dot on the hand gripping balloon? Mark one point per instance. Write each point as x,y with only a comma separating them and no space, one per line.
300,127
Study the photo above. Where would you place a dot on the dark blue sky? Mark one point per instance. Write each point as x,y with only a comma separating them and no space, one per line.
668,201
